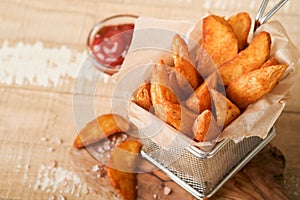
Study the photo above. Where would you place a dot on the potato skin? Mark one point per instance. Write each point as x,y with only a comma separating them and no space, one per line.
143,96
253,57
161,88
241,24
270,62
100,128
205,127
121,167
187,75
218,39
176,115
252,86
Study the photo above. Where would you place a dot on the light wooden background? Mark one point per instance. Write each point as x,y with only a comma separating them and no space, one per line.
29,113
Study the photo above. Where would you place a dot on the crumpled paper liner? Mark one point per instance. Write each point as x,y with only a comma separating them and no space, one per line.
152,40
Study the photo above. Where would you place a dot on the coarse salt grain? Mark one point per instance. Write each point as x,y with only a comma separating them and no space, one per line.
50,149
155,196
44,139
167,190
100,150
51,197
57,141
60,197
51,164
95,168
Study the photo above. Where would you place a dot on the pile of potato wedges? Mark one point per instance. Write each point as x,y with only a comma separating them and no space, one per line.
201,98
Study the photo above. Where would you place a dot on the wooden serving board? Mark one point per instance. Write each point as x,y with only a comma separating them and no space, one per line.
261,178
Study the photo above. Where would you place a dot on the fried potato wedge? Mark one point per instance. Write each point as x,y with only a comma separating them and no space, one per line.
225,110
162,88
205,127
200,99
187,73
253,57
252,86
100,128
270,62
218,39
121,167
143,97
177,116
241,25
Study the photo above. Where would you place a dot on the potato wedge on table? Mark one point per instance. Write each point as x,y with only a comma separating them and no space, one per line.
100,128
205,127
187,73
218,39
143,97
241,25
252,86
225,110
253,57
176,115
121,169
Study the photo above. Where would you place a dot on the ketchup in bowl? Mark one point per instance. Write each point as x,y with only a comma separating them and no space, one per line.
109,43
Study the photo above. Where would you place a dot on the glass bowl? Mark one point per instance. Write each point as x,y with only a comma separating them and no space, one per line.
109,40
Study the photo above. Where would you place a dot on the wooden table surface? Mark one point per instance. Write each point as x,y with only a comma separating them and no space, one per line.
35,116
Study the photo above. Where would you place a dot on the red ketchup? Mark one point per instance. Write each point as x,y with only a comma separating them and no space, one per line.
111,44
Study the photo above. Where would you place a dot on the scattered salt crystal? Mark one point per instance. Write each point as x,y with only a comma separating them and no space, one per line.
106,146
60,197
100,150
57,140
51,164
50,149
98,175
167,190
155,196
51,197
108,155
95,168
27,167
84,190
44,139
124,137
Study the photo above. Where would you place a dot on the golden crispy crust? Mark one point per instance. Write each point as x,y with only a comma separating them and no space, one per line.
252,86
120,171
143,97
188,75
160,88
247,60
176,115
205,127
241,24
219,39
270,62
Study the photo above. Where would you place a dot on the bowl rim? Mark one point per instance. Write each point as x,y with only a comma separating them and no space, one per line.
92,32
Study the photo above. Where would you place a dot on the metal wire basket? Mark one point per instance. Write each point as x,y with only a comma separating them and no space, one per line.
203,173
